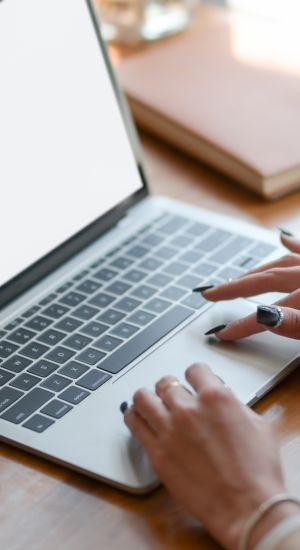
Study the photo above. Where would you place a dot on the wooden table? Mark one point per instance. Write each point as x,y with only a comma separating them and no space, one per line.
44,506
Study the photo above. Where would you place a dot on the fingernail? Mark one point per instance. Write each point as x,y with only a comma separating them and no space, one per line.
268,315
123,407
203,288
285,232
215,330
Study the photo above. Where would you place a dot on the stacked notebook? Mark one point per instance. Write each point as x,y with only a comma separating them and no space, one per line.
228,93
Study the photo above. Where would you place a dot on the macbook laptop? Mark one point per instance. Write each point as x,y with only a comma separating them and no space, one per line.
96,275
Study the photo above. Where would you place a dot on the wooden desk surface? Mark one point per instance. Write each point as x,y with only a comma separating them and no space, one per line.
44,506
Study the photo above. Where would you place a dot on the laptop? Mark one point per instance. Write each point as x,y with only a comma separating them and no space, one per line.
96,275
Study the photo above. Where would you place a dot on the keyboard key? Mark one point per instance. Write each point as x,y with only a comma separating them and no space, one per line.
152,239
68,324
77,341
74,395
105,274
191,257
118,287
137,251
85,312
81,275
262,250
124,330
21,336
107,343
111,316
34,350
56,409
173,225
73,370
234,247
175,268
134,275
43,368
181,241
7,349
2,333
204,269
94,329
16,363
55,311
48,299
27,405
141,318
51,337
197,229
38,423
102,300
55,382
144,292
88,286
32,311
13,324
97,263
165,252
93,380
8,396
212,241
195,301
90,356
25,382
140,343
122,263
173,293
63,288
150,264
60,355
5,377
39,323
157,305
128,304
72,299
188,281
160,280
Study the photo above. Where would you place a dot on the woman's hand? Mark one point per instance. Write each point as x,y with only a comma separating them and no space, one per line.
212,452
282,275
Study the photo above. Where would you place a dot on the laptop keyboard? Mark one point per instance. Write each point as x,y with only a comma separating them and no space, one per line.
55,354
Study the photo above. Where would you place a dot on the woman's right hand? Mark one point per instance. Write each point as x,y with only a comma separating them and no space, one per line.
282,275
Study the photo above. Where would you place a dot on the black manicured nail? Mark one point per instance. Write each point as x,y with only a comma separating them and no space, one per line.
123,407
215,330
268,315
203,288
285,232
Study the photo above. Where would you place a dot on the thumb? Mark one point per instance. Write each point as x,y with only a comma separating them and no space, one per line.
284,321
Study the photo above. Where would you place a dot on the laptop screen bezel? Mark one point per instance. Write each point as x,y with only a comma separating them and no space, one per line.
52,260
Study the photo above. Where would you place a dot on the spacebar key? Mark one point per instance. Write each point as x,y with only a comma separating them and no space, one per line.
145,339
27,405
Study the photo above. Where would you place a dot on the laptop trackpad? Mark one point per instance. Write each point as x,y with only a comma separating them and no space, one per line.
249,366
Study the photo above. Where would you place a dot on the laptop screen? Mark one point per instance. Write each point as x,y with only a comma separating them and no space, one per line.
65,156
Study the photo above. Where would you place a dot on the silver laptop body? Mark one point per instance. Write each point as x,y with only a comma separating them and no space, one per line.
96,275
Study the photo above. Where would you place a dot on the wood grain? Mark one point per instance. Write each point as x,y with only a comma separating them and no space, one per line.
44,506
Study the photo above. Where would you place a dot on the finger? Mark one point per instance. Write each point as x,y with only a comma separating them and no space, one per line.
290,326
199,375
288,260
291,243
171,394
151,409
273,280
249,326
140,430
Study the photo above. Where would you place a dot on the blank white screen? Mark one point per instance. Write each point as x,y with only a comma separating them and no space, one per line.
65,158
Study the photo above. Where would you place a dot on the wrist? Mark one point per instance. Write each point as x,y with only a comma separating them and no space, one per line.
275,515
